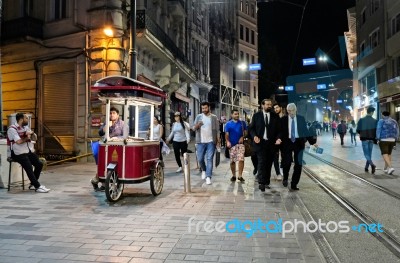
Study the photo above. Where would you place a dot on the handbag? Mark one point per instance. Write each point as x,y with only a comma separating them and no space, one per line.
247,145
248,151
227,153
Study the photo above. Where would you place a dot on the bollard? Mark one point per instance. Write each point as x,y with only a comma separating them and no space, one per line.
186,171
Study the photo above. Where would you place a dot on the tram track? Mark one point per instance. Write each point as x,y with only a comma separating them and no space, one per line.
390,241
372,184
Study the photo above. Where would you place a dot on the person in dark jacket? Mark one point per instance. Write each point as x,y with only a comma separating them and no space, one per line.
265,133
366,127
342,130
294,135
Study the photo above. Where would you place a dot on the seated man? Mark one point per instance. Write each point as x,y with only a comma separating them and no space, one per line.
23,152
117,129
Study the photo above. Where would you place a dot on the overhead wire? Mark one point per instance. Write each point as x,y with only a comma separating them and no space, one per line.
298,37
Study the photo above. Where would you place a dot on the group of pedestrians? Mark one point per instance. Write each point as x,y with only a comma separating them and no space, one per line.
384,132
270,131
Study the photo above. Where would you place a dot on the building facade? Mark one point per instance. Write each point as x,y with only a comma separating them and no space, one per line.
376,67
54,50
233,43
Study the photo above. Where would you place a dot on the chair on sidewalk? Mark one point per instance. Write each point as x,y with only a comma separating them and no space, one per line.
11,161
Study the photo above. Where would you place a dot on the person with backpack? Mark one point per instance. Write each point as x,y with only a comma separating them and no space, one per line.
20,138
387,133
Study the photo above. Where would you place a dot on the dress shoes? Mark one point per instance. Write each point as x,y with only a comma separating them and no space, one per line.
294,188
285,183
373,167
261,187
254,171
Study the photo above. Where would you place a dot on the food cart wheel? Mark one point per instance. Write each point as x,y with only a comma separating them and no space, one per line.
157,179
114,187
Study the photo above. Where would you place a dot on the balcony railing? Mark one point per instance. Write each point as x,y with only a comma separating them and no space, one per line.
22,27
143,21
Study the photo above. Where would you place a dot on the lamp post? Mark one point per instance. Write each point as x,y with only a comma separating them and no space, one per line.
132,41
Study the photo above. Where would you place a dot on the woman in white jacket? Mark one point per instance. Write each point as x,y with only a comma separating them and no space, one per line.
180,137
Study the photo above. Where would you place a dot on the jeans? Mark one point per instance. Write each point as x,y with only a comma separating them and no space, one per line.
367,146
206,150
333,133
353,138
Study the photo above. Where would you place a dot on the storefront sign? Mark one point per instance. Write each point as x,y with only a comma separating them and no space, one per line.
96,121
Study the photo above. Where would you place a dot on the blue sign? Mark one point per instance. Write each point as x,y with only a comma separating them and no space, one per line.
321,86
314,101
309,61
254,67
339,101
289,88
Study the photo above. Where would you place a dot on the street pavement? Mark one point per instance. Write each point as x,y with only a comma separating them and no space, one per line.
72,223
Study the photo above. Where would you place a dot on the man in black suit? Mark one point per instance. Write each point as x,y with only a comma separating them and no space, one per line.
295,134
265,133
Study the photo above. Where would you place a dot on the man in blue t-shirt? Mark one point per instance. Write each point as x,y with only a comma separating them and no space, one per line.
235,132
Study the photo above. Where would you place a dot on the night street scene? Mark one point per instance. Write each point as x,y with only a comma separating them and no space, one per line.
169,131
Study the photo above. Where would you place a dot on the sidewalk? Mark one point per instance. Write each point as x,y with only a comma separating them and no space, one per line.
73,223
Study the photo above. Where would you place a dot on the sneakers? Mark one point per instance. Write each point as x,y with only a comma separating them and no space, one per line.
279,177
390,171
179,170
208,180
233,179
42,189
203,175
241,179
95,181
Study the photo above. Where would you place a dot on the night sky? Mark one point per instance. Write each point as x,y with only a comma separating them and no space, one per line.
323,22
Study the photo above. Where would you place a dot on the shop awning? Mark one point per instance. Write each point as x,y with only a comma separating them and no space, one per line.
181,97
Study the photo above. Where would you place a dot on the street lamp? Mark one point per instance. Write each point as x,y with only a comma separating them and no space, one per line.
108,32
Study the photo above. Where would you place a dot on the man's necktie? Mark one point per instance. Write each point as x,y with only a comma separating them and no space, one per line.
266,124
293,131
